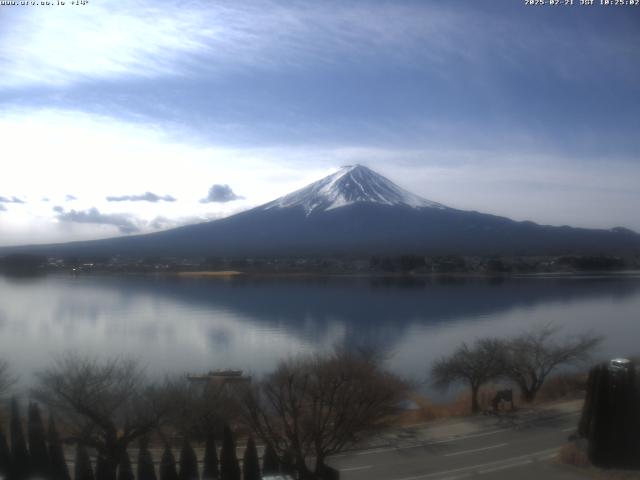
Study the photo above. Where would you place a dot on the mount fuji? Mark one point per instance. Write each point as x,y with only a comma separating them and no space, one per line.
356,211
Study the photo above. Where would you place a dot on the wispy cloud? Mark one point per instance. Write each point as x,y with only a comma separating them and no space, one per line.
11,200
70,198
145,39
125,223
220,194
3,208
145,197
150,39
163,223
65,45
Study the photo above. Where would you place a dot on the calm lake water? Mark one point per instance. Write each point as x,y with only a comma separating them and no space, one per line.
193,325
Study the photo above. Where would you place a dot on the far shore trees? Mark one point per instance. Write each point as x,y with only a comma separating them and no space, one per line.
105,405
318,405
474,365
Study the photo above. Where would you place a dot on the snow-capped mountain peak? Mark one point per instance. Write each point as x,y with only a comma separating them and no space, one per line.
351,184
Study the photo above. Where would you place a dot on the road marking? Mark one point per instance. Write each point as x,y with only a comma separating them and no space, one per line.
457,477
505,467
471,468
547,457
476,450
473,435
419,445
353,469
570,429
427,443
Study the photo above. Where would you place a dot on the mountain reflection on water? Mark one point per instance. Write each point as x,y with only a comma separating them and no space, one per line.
183,325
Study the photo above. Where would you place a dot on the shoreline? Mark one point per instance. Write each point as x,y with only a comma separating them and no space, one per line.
226,274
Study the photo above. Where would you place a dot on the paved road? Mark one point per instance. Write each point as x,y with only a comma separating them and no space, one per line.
524,452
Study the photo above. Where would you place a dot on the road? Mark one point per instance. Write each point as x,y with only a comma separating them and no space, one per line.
525,452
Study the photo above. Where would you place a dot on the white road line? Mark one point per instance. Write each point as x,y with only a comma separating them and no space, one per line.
427,443
457,477
497,463
473,435
547,457
353,469
476,450
505,467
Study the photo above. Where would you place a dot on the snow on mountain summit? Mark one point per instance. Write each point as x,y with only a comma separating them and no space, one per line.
351,184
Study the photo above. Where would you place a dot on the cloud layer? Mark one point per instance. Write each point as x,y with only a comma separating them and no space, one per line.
145,197
11,200
125,223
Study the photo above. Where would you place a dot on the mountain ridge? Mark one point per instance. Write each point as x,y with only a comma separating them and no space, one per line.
354,211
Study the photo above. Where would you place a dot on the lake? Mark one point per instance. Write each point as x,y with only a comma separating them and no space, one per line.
180,325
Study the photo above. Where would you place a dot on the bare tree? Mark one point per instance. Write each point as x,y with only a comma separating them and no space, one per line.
7,380
200,408
107,404
532,356
318,405
474,365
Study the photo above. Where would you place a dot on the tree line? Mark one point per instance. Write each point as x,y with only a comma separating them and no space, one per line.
525,360
310,407
40,454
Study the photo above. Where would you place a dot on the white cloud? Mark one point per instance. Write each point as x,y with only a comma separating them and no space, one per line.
220,194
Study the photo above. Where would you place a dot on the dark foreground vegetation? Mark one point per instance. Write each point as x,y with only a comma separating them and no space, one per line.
607,442
307,409
610,419
121,425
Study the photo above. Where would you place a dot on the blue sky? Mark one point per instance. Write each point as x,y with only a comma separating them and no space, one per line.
528,112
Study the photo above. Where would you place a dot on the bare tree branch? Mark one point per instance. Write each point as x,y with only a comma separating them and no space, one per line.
474,365
532,356
107,404
319,404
